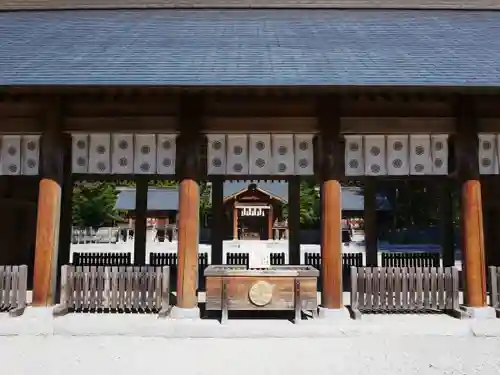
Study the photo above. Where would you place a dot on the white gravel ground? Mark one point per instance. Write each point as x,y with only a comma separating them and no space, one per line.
373,355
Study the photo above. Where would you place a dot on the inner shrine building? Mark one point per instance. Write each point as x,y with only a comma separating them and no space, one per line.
325,95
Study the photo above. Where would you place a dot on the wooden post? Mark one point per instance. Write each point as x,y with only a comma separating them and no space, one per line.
331,202
446,229
217,228
189,201
49,207
491,213
189,205
370,222
471,205
140,231
270,219
235,222
66,222
294,220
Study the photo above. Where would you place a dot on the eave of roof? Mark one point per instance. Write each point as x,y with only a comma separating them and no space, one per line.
235,195
167,199
202,48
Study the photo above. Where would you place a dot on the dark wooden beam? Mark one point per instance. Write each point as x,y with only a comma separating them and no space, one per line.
120,123
370,222
218,221
294,220
66,220
140,231
444,190
491,219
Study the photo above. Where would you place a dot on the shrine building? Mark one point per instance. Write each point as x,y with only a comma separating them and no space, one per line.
109,90
252,210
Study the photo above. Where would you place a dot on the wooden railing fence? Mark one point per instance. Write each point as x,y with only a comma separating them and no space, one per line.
238,259
348,260
403,290
114,289
411,260
242,259
494,284
13,287
171,260
102,259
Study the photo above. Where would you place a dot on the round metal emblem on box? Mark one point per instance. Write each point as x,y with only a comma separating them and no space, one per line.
261,293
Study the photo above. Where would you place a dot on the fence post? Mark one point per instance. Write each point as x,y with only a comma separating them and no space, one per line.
494,286
165,292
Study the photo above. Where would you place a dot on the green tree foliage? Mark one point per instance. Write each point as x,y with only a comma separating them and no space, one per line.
309,205
94,204
205,199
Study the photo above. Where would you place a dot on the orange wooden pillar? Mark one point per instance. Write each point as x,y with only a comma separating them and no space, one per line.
189,206
235,222
331,151
189,196
331,250
49,208
270,220
473,255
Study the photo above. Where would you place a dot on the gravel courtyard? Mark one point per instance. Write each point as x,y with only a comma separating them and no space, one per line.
374,355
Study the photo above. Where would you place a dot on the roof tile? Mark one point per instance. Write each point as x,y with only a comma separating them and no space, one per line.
250,47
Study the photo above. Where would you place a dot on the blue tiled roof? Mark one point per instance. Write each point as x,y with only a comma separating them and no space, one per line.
251,47
167,199
158,199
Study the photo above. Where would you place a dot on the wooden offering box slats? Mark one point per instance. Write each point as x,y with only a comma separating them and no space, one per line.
276,288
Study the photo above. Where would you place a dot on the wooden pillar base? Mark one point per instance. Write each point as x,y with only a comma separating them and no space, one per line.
187,251
331,245
473,244
47,238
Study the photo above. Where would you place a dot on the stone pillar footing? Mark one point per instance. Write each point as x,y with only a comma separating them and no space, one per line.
183,313
486,312
334,314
